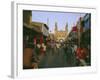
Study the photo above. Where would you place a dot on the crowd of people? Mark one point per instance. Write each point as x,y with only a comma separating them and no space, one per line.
75,56
78,56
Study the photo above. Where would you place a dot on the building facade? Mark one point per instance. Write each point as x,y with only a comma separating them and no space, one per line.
60,35
33,33
86,35
87,21
27,16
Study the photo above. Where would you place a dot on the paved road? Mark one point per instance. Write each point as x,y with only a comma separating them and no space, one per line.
54,58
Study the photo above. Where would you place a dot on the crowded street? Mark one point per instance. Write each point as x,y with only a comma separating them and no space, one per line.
58,57
53,58
56,44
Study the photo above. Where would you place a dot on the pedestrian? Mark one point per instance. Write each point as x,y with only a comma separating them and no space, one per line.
37,49
81,55
70,57
44,48
52,46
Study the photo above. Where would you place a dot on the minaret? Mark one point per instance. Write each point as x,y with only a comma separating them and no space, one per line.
48,22
56,28
66,27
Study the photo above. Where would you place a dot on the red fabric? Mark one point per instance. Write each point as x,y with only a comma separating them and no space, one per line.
81,53
74,28
41,39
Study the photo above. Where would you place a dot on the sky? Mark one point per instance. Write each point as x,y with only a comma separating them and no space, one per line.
62,18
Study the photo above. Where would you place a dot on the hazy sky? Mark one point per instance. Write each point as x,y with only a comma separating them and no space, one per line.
60,17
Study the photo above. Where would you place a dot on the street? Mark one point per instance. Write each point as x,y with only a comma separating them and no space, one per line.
50,45
54,58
